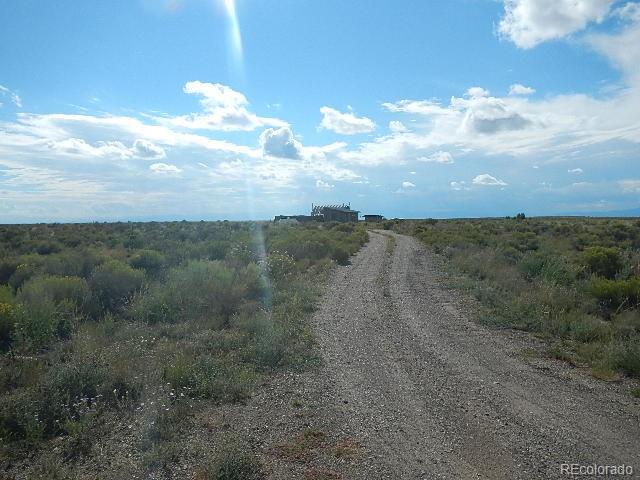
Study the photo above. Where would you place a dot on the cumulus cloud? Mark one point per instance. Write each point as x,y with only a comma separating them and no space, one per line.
575,171
407,185
488,115
224,109
438,157
530,22
164,169
518,89
13,96
487,180
280,142
321,185
477,113
477,92
345,123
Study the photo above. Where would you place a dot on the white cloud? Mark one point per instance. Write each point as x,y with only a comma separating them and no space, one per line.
575,171
438,157
35,130
459,186
630,11
397,126
487,180
224,109
106,149
164,169
518,89
13,96
320,185
345,123
630,186
477,92
621,49
530,22
280,142
408,185
149,150
421,107
517,125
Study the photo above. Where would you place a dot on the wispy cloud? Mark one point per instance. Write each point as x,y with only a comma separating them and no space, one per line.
13,96
345,123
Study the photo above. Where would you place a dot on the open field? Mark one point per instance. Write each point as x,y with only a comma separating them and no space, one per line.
114,336
319,351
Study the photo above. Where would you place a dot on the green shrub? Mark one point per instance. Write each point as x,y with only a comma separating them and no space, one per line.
66,394
74,263
344,227
217,250
37,323
198,290
521,241
602,261
56,289
387,225
22,273
545,266
7,321
150,261
616,294
47,247
311,249
340,255
629,359
8,267
626,324
281,266
114,281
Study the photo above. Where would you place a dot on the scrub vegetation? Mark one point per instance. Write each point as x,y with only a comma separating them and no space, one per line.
573,281
138,325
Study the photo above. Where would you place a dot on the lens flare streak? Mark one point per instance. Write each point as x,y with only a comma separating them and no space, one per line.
235,37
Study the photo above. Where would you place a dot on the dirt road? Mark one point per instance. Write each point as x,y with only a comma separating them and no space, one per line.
430,394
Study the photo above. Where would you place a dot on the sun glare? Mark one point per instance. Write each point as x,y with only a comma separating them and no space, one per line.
235,37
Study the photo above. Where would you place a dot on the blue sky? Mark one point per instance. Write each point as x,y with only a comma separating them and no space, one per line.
213,109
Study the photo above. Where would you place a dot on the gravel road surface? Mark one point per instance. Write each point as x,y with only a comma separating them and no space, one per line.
428,393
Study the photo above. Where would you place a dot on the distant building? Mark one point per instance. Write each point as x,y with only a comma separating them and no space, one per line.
373,218
335,213
323,213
